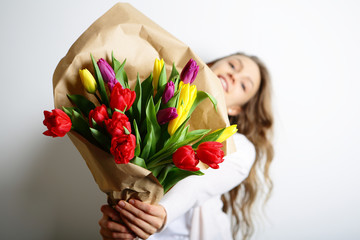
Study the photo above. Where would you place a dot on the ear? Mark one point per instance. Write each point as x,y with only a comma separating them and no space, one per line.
234,110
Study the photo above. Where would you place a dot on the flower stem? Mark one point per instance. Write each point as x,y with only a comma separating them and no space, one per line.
160,163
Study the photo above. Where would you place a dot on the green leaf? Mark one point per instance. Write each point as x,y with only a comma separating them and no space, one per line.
119,71
115,63
192,138
100,82
174,100
176,81
81,126
148,143
125,79
103,139
146,93
170,145
165,170
69,110
138,139
137,134
173,73
95,125
139,161
82,103
199,98
157,107
117,110
137,150
152,123
178,133
212,137
162,78
164,136
137,103
174,175
126,130
195,133
162,84
156,171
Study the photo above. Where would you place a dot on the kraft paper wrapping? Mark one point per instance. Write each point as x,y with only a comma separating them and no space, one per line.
134,37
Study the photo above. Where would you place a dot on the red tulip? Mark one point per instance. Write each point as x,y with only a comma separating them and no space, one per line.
115,125
184,158
121,98
99,114
57,122
123,147
210,153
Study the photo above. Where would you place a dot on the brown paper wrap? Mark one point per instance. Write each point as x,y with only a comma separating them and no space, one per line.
134,37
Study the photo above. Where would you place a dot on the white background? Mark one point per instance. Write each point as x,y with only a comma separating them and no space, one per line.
311,49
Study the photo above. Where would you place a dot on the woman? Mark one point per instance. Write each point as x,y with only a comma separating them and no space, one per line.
196,214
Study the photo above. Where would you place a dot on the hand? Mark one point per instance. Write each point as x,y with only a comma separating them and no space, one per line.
110,226
142,219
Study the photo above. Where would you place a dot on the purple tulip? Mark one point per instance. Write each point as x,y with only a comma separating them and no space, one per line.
189,72
166,114
107,73
168,92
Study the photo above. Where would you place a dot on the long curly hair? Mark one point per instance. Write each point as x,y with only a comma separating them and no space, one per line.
255,121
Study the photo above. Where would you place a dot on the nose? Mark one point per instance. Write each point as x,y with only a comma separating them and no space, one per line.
234,76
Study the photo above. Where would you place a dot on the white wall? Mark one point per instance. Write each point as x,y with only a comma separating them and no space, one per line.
311,48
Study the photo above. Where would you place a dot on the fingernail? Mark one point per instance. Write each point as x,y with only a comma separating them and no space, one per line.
131,201
122,204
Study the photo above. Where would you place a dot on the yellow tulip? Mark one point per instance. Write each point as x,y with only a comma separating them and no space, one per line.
187,97
88,80
158,65
228,132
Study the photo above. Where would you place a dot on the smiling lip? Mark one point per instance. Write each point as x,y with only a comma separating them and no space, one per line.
224,83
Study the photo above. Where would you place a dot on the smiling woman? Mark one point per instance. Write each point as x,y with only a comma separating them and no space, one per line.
244,174
240,77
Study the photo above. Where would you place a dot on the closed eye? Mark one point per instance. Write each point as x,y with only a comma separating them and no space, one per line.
231,65
243,86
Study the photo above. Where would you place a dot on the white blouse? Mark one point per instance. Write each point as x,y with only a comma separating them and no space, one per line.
194,206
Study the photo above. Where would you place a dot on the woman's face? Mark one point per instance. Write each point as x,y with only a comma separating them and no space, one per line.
240,78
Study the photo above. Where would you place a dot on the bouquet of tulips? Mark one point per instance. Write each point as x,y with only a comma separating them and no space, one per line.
147,126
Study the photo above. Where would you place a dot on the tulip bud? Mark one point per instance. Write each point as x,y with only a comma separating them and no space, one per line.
165,115
210,154
121,98
99,114
187,97
158,65
88,81
168,92
57,122
107,73
228,132
184,158
189,72
123,148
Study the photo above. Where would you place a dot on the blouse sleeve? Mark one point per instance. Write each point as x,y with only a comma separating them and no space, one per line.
194,190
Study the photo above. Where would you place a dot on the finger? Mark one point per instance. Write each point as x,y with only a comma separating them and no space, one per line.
110,212
113,226
138,231
105,232
154,210
137,219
